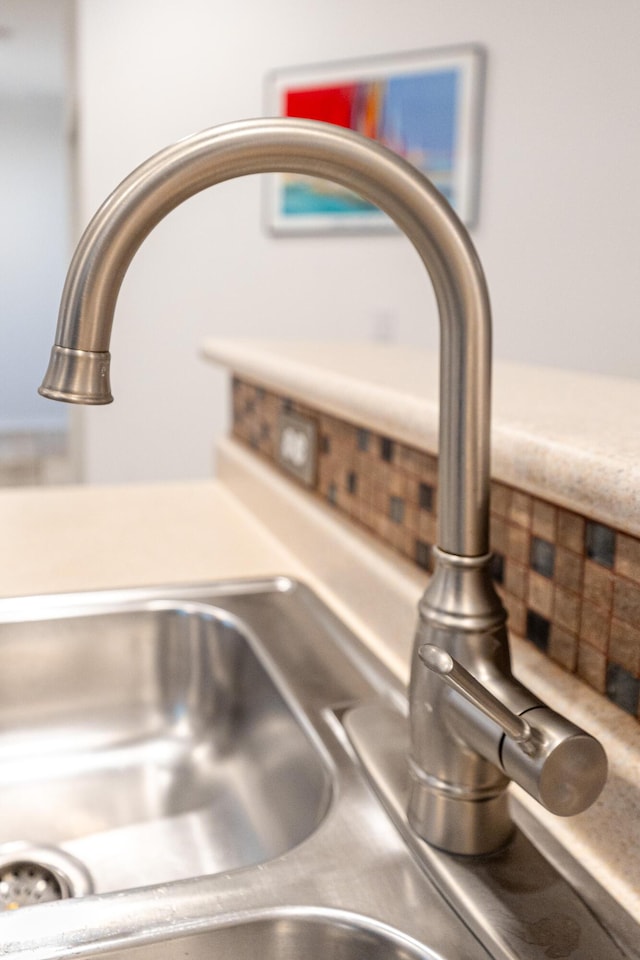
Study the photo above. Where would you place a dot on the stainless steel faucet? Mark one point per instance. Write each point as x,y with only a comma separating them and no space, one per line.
473,726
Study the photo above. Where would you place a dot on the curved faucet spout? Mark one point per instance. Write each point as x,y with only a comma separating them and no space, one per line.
79,368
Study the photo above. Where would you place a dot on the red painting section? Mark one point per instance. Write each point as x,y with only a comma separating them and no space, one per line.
331,104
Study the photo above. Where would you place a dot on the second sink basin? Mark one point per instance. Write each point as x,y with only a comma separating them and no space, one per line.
152,744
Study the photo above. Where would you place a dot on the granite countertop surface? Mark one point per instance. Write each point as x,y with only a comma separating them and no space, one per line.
568,436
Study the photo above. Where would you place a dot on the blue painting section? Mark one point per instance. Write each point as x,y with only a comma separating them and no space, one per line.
416,116
419,115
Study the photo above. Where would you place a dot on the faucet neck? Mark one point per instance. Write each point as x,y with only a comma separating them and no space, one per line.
380,176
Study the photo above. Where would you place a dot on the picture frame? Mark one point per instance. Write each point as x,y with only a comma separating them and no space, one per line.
426,105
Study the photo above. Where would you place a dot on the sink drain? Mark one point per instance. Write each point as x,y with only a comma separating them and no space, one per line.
30,875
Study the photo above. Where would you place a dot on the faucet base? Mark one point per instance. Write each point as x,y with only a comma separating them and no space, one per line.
460,824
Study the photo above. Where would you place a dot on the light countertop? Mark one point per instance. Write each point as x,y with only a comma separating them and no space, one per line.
570,437
63,539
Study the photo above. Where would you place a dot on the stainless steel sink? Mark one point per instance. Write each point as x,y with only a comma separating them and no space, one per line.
185,746
227,763
288,935
152,744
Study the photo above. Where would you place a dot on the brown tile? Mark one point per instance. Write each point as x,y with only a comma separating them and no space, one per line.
411,519
412,489
626,601
568,570
571,531
566,610
517,610
518,541
624,646
515,579
592,667
405,458
520,509
544,520
498,534
380,497
594,626
426,466
598,585
500,499
628,557
427,527
563,648
396,485
365,486
540,594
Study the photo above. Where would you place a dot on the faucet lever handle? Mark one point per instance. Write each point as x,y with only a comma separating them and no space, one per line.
464,683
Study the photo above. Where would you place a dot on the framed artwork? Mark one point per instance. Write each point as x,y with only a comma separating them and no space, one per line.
426,106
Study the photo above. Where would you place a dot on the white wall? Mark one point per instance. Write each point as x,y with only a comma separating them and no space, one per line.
559,217
34,247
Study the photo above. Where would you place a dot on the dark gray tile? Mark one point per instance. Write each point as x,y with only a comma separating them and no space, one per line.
600,543
423,555
425,497
538,630
542,557
623,688
396,509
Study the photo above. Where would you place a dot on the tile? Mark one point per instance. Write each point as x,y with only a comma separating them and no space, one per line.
598,585
500,499
594,626
425,497
628,557
626,601
518,544
592,667
566,609
544,520
498,534
569,569
623,689
517,610
427,527
624,646
516,579
423,555
363,439
496,567
386,449
540,595
570,531
538,630
520,509
396,509
542,556
563,648
600,543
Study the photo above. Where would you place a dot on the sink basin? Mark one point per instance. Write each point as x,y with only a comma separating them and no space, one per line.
285,935
152,744
213,759
182,749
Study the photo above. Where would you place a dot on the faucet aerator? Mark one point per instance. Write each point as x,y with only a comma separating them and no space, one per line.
77,376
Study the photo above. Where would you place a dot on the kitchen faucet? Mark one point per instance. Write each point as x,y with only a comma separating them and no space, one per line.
473,726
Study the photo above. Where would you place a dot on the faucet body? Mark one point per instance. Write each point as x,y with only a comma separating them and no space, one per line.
461,761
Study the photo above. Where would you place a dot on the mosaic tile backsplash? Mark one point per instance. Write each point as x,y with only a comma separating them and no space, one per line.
571,585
